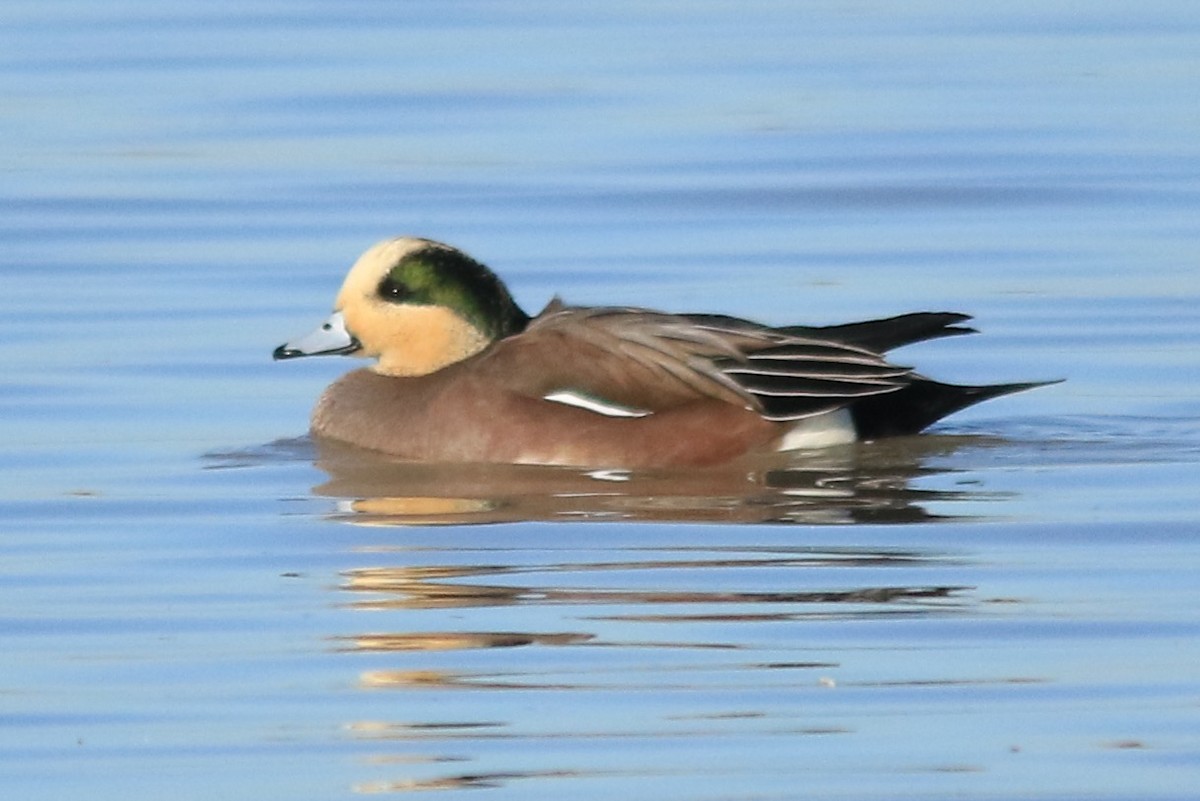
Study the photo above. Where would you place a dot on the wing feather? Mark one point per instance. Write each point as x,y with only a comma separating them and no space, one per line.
654,361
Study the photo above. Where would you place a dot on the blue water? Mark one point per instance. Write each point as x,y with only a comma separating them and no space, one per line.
197,602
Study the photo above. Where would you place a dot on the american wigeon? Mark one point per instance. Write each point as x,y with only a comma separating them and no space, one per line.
464,375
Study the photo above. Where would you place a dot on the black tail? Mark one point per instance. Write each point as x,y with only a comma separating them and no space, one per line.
881,336
920,404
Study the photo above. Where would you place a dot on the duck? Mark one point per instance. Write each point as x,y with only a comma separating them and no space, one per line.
461,374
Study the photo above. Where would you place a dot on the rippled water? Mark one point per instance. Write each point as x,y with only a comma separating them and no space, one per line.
198,601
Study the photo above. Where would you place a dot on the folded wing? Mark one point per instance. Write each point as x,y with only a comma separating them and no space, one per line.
653,361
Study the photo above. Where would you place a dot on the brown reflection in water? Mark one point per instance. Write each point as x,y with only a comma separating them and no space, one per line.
450,680
418,587
422,587
457,640
387,730
682,585
461,781
853,484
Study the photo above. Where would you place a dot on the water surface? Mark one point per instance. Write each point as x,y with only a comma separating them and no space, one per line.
199,601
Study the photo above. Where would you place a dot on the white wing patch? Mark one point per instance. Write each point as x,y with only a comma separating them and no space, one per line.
604,407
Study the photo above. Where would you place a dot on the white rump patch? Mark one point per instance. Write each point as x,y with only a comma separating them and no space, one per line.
820,431
595,405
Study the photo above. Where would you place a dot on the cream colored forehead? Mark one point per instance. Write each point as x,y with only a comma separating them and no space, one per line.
375,263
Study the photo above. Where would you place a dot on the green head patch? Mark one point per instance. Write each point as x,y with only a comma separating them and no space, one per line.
436,276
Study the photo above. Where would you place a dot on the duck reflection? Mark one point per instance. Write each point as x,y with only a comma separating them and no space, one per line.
462,643
417,587
866,483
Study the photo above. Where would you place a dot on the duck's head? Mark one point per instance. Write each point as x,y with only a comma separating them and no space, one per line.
417,306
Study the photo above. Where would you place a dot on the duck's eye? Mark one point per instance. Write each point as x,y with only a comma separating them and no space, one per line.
390,289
